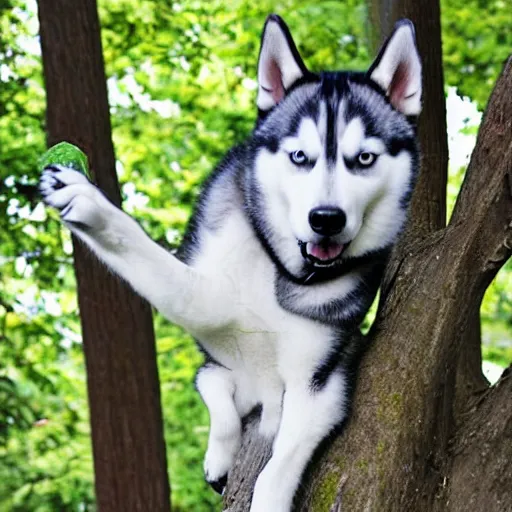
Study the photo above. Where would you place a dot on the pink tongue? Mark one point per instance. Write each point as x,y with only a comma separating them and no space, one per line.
324,252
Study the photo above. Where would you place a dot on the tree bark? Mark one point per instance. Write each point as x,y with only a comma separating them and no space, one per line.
428,206
122,377
410,445
480,476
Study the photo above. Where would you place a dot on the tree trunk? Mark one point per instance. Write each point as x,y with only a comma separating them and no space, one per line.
122,377
428,207
411,443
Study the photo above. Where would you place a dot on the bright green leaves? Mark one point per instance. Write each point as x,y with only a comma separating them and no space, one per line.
65,154
477,38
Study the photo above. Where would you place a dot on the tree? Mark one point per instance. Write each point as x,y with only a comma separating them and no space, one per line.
426,432
124,395
180,79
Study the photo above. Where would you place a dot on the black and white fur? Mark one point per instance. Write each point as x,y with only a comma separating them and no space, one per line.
284,253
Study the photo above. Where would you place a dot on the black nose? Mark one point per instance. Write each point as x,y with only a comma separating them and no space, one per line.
327,220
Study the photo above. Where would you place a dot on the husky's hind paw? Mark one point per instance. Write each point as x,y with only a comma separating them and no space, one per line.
219,485
218,461
73,195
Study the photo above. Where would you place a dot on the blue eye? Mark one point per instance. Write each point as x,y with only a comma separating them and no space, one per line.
299,157
366,158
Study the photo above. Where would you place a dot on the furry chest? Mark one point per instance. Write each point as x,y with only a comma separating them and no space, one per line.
259,322
265,339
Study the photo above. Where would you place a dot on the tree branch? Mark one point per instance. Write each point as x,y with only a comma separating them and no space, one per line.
486,194
470,381
254,454
481,474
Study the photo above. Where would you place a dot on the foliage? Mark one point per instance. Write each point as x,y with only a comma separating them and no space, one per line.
476,41
181,84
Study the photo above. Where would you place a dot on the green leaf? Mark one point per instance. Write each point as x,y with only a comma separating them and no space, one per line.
65,154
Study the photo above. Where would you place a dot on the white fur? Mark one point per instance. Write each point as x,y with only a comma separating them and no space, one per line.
373,145
383,218
371,201
308,139
322,121
306,419
352,137
217,388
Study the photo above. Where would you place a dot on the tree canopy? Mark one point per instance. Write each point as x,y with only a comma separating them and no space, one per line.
181,80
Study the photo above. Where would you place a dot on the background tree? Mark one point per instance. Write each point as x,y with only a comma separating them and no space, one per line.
181,91
119,345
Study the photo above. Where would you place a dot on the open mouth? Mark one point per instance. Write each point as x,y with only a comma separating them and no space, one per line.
324,253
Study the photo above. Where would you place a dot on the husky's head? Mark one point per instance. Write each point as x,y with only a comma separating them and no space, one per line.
334,154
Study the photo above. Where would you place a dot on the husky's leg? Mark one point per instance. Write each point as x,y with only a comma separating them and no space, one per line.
308,417
197,302
272,409
217,389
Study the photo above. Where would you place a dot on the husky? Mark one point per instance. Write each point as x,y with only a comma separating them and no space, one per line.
284,253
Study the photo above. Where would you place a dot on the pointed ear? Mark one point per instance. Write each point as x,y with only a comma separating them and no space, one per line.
397,69
279,63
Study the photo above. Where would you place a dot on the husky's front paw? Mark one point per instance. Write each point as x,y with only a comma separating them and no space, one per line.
76,198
